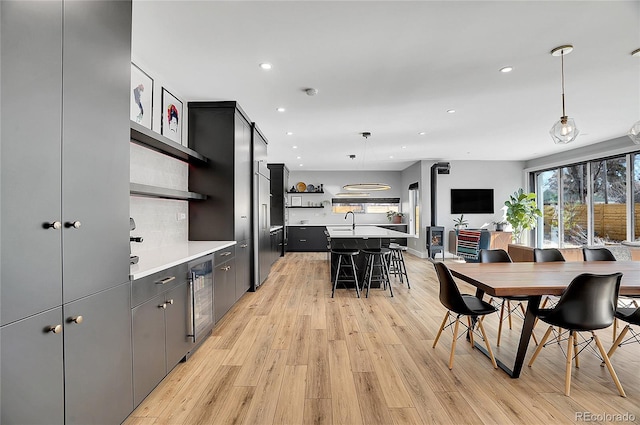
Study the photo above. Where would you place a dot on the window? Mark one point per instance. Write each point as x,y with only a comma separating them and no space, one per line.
365,205
586,203
414,210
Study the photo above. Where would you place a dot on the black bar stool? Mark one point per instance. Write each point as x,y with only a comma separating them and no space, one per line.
348,255
377,268
398,267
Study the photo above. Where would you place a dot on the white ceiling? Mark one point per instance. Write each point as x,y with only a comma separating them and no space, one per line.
394,68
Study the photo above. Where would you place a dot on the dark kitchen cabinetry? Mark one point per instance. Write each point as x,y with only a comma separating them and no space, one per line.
62,162
221,132
224,282
277,240
306,238
243,274
279,184
398,228
160,327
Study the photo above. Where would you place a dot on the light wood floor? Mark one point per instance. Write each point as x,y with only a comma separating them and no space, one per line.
290,354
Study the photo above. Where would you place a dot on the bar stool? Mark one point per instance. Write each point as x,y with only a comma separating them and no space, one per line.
398,267
377,269
348,255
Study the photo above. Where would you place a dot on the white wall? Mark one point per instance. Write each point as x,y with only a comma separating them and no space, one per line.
333,182
505,177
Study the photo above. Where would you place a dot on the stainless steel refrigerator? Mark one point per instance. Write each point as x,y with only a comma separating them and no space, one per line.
262,207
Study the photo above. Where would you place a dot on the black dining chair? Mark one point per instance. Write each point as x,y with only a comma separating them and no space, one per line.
630,315
547,255
597,254
586,305
502,256
459,305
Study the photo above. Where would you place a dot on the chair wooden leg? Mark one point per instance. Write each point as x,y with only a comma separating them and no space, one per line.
453,344
609,366
470,330
446,316
500,323
615,328
544,339
617,342
567,373
509,314
486,342
575,349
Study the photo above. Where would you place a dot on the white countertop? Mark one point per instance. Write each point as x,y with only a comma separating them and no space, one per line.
364,232
157,260
344,224
274,228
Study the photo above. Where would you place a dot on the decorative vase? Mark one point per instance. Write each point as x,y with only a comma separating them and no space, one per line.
397,219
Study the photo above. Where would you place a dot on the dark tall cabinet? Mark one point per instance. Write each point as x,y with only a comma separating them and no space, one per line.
65,207
279,185
221,132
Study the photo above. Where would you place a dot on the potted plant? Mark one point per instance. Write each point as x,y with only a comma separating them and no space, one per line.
460,222
394,216
522,212
499,225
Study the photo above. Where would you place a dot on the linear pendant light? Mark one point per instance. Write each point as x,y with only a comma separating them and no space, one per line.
565,130
366,186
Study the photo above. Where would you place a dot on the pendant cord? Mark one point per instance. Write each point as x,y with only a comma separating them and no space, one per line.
562,73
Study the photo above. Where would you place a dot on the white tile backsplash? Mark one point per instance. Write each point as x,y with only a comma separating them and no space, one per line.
160,222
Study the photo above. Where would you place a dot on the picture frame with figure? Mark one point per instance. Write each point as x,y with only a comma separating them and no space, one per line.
171,116
141,97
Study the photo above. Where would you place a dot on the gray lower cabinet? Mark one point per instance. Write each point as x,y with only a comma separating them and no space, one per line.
31,378
224,282
93,384
160,328
97,358
243,267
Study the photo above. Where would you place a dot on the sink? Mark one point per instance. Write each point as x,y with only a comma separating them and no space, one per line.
341,230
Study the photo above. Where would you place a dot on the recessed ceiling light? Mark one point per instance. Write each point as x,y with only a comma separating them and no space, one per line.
404,147
300,165
294,147
390,156
289,133
298,157
506,69
266,66
280,109
451,111
422,133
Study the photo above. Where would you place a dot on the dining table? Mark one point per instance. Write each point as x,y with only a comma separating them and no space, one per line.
535,280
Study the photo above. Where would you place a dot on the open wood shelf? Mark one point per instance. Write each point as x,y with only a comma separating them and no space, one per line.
148,138
320,206
163,192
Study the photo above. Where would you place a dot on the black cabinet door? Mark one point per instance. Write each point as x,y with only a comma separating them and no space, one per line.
242,172
95,145
97,358
149,367
224,283
30,171
178,343
243,267
31,374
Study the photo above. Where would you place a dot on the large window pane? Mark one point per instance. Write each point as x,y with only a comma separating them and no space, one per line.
636,196
574,206
547,191
609,200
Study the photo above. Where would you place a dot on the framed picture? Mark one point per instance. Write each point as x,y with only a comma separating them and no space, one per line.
296,201
171,117
141,97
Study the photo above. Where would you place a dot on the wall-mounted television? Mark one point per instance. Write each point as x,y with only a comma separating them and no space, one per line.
472,201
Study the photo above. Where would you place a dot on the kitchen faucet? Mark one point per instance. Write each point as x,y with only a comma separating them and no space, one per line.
353,216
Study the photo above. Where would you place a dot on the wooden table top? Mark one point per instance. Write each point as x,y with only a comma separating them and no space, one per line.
503,279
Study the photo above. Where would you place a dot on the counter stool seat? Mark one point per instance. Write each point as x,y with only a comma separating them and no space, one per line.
348,265
377,268
397,265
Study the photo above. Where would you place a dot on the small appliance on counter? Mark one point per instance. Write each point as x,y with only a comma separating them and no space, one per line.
133,259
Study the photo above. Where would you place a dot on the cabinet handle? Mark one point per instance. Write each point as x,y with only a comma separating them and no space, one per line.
73,224
244,245
224,254
165,280
225,268
56,329
303,228
76,319
170,301
303,240
243,216
54,225
163,305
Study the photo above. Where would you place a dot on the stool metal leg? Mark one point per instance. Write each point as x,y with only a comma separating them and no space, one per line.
355,275
386,273
335,281
403,269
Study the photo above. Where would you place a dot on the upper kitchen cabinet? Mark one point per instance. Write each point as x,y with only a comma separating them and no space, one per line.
221,132
65,151
279,184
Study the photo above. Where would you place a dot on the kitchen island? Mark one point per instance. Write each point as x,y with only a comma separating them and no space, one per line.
360,237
